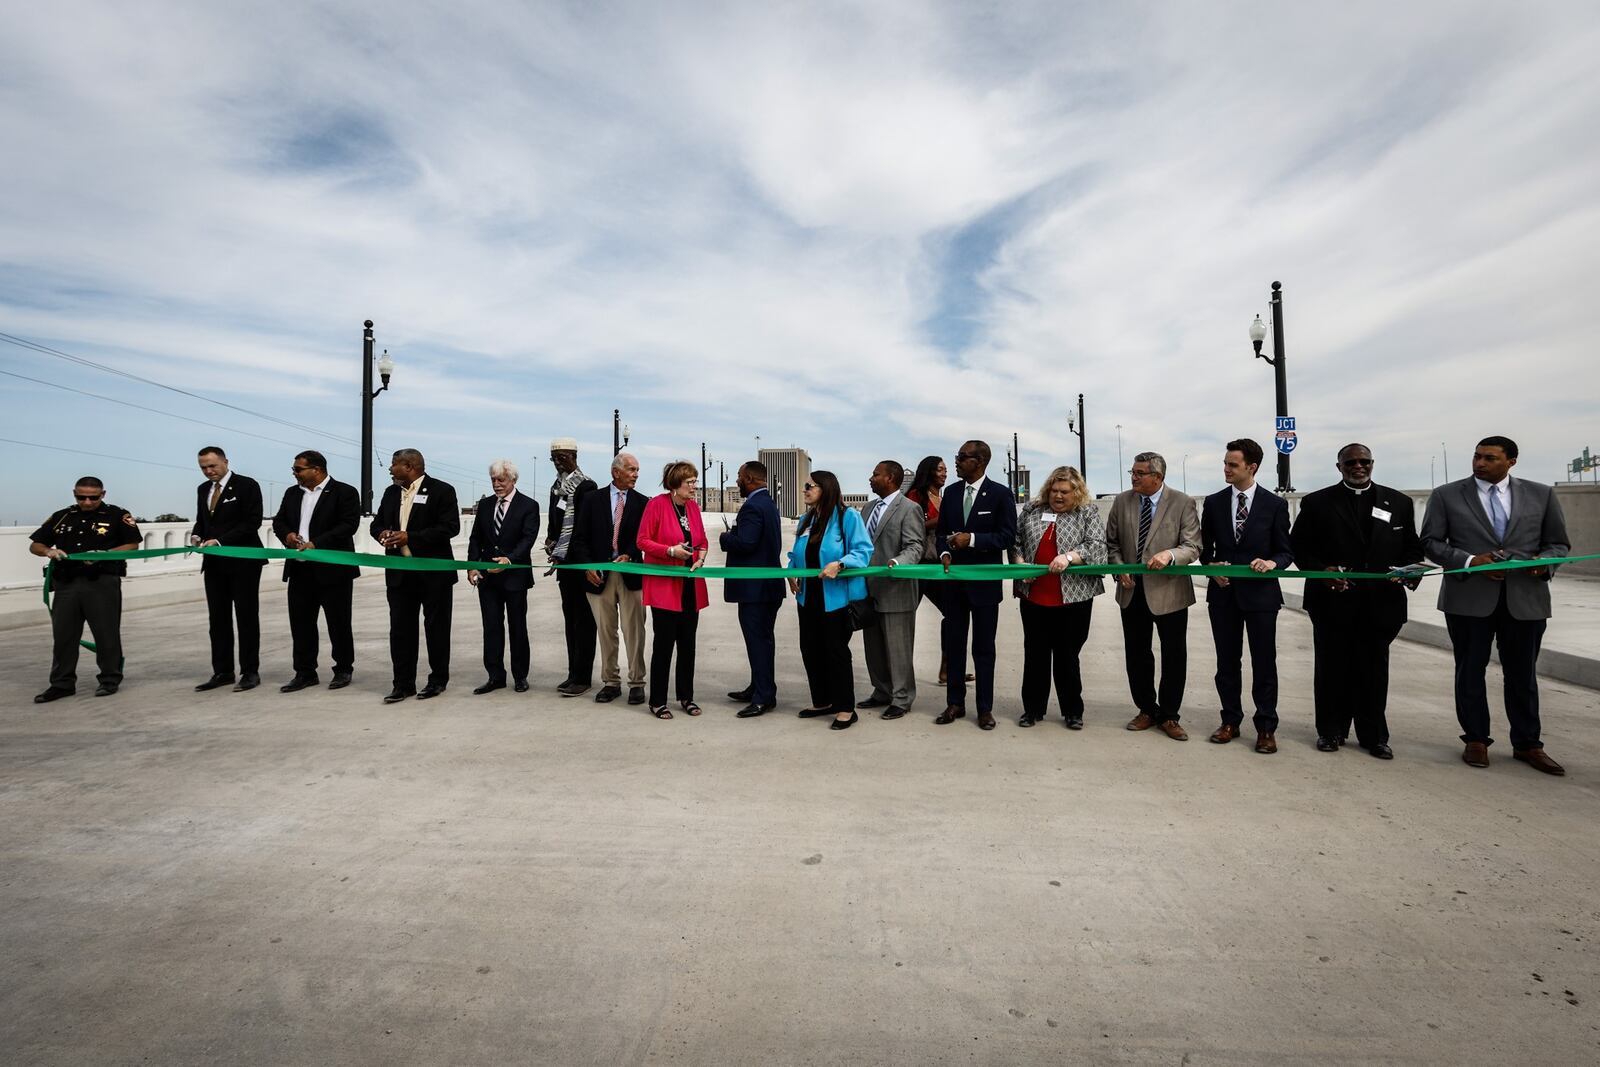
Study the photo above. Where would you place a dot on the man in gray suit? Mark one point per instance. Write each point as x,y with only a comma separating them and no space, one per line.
1480,520
1156,525
896,527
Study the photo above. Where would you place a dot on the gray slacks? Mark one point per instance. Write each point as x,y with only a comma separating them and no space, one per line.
889,654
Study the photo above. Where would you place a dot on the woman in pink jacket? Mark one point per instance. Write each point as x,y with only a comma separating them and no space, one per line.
671,534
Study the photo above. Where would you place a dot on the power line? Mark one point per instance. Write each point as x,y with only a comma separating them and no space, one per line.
100,455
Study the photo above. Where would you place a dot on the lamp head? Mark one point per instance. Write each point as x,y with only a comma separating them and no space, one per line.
385,366
1258,333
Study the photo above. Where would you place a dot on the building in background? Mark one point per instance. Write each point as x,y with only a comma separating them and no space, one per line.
788,470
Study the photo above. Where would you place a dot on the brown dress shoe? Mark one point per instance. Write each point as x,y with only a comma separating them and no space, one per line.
1476,755
1171,728
1140,721
950,714
1225,733
1266,744
1535,758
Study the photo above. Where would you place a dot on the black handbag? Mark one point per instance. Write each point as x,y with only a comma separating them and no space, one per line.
863,613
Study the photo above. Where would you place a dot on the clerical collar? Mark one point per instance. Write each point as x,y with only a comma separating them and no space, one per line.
1356,491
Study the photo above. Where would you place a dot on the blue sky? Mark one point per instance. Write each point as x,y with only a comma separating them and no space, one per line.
871,230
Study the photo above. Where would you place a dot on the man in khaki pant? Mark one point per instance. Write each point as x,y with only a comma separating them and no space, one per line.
606,530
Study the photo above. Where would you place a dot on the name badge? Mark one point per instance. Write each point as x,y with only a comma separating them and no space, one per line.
983,513
1382,516
420,498
1049,518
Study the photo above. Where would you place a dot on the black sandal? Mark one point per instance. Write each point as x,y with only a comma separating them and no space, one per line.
690,706
663,712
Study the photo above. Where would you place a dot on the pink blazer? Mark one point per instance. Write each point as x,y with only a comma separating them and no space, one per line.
659,531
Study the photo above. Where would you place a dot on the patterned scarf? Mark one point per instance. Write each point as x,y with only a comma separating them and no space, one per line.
566,490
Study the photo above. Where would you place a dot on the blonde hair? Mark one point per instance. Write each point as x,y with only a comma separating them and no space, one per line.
1075,484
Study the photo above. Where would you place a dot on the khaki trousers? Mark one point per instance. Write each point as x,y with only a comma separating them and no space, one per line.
614,604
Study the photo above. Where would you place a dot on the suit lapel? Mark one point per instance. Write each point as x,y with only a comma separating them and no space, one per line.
1521,506
1474,504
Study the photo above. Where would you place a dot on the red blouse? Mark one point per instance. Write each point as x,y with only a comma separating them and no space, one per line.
1045,590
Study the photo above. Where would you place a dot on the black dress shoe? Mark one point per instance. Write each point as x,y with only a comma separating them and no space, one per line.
298,682
742,695
607,694
750,711
573,689
1026,721
893,711
1327,744
873,702
109,689
985,720
1380,751
491,685
636,694
247,682
53,693
521,685
397,694
340,680
1074,722
844,724
216,681
431,690
814,713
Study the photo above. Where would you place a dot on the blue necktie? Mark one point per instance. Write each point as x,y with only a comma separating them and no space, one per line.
1497,514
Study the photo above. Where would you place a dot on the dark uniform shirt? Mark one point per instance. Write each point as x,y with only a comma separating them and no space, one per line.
75,530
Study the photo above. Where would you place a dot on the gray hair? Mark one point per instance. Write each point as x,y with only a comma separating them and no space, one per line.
1158,465
621,459
411,457
503,467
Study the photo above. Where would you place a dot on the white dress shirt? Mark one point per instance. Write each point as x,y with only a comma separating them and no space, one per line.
308,504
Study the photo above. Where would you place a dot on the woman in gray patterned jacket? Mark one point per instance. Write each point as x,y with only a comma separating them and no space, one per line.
1060,529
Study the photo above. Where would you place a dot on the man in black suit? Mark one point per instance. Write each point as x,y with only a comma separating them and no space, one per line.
755,540
607,530
504,531
318,512
566,495
977,524
1244,525
417,519
1354,525
228,512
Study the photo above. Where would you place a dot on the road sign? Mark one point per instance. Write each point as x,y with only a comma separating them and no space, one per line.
1286,438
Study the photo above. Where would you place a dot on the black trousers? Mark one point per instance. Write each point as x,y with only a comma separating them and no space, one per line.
307,596
408,593
1519,641
672,631
1140,660
1051,640
961,615
97,602
504,609
757,620
1229,628
1351,679
578,621
234,592
825,653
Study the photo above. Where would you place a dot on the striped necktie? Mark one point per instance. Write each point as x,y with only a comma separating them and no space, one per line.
500,517
1146,514
1240,513
876,517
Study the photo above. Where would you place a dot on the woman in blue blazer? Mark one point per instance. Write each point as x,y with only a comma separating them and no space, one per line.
831,537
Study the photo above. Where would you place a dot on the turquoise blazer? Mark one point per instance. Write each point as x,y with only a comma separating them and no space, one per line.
850,544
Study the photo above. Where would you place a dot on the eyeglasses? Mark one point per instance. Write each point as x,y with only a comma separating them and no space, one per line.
967,455
300,470
1141,474
809,487
87,496
1357,462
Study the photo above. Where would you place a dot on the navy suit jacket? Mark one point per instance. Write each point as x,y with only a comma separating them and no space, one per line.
755,541
434,521
236,522
1266,536
591,533
993,526
518,534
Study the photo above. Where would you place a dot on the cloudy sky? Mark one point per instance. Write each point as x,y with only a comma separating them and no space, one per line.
870,230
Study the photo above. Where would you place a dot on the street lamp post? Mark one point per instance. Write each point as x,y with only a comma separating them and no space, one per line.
722,486
1083,448
1185,472
1446,453
1258,333
1120,472
705,466
619,432
368,395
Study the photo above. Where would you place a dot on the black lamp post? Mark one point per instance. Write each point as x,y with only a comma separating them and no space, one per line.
1083,449
1258,333
619,432
368,394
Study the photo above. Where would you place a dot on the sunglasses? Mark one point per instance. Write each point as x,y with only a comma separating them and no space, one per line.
87,496
966,455
1356,462
809,486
